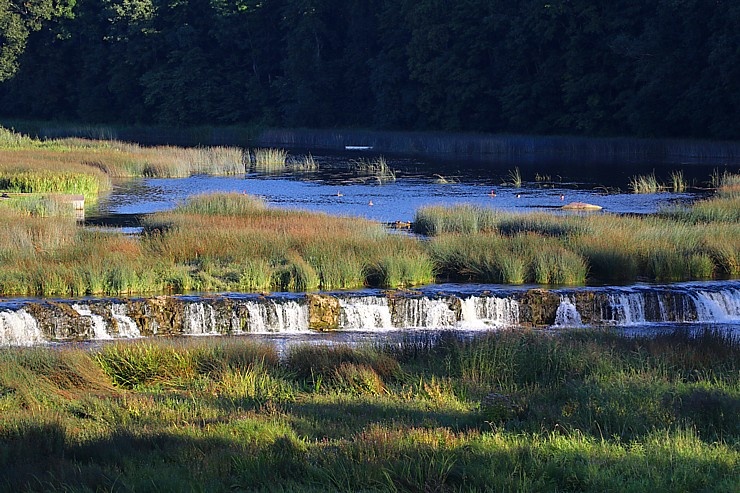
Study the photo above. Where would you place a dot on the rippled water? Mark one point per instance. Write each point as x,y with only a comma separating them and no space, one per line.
337,192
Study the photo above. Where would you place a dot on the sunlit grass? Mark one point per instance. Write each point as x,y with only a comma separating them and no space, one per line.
477,244
645,184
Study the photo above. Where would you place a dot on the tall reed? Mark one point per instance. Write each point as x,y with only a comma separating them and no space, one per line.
377,168
269,160
645,184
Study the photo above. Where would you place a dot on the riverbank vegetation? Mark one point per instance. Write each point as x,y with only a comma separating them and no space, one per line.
234,242
479,244
211,243
505,411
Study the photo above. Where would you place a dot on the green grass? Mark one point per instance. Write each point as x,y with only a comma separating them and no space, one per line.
233,242
514,178
645,184
504,411
269,160
485,245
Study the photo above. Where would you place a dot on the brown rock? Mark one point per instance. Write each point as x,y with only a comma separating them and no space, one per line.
323,312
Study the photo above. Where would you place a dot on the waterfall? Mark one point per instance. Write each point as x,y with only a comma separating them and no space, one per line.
19,328
627,308
29,322
100,328
270,316
424,313
567,314
365,313
721,306
126,326
488,311
199,319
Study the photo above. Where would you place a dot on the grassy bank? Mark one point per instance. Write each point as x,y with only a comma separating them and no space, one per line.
221,242
510,411
234,242
480,244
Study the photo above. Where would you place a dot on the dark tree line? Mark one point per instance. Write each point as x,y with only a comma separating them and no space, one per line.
623,67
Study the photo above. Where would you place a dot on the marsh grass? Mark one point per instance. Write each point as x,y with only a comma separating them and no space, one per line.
468,243
305,164
645,184
269,160
727,184
80,165
514,178
678,183
589,409
377,168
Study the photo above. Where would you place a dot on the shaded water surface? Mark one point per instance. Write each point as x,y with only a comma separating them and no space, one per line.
335,190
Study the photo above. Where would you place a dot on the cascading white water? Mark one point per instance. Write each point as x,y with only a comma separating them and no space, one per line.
365,313
627,308
717,302
719,306
19,328
567,314
100,328
126,326
424,313
488,311
199,319
271,316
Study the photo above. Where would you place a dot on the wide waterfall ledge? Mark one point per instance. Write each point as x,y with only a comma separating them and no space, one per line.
444,307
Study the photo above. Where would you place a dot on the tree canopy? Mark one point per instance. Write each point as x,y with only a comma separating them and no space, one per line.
17,20
625,67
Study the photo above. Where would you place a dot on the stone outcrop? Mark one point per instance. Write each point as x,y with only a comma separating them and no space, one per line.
323,312
538,307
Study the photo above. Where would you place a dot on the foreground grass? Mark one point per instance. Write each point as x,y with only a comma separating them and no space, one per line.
507,411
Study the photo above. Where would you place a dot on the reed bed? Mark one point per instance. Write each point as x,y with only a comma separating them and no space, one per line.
700,242
114,158
645,184
432,413
728,185
297,250
269,160
377,169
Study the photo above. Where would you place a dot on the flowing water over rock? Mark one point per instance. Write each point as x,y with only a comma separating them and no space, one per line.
438,307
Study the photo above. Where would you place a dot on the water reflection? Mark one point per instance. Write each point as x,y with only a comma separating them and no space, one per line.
336,191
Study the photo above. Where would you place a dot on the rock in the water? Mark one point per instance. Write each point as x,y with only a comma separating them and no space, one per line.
323,312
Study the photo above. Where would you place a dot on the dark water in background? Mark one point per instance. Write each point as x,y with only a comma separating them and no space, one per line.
334,190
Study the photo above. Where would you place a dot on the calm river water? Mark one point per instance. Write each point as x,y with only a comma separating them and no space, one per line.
418,183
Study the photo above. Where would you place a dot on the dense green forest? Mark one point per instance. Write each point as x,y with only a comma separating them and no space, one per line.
653,68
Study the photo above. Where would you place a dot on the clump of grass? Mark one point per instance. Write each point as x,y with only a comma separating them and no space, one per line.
222,204
39,205
48,181
10,139
464,219
727,184
514,178
400,270
678,184
306,164
269,160
377,168
645,184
